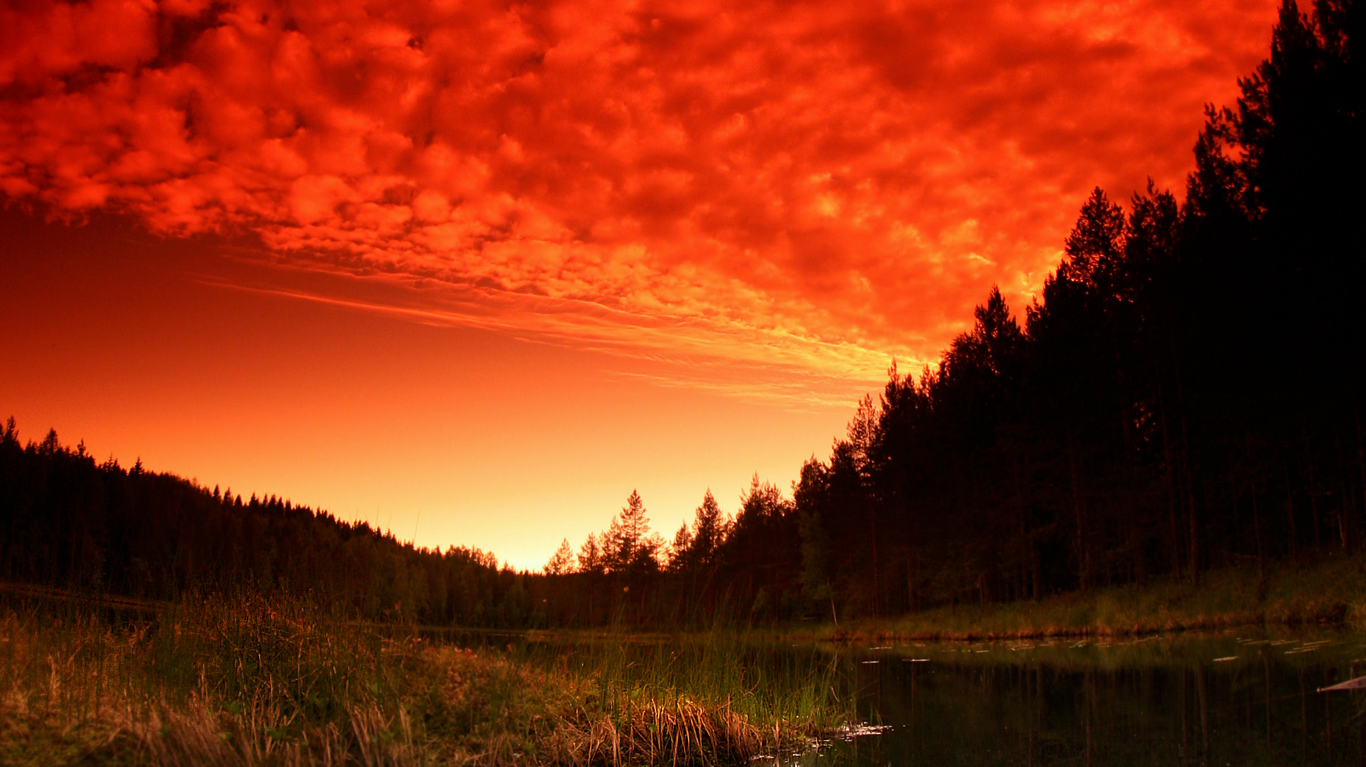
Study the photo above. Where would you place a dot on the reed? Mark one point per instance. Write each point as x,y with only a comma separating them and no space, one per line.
704,699
252,681
217,682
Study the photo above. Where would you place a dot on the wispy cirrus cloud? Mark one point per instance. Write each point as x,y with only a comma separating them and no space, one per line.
814,185
794,372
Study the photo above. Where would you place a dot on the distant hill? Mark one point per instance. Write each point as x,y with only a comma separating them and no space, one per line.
69,522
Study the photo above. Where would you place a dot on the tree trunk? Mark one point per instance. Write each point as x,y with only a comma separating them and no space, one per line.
1194,549
1314,520
1347,500
1083,553
1257,531
1290,513
1194,535
1173,532
910,585
1361,455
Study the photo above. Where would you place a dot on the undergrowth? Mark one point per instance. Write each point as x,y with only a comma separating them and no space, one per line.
1330,591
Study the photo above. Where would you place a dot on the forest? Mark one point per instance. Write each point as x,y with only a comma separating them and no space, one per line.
70,523
1185,393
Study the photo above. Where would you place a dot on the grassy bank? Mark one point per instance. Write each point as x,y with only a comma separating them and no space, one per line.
1329,591
254,682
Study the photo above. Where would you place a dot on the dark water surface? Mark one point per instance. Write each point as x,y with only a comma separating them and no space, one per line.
1231,700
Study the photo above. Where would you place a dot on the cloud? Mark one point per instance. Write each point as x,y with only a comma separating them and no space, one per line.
796,373
786,179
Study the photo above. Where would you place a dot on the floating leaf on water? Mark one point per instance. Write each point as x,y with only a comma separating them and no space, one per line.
1356,683
850,731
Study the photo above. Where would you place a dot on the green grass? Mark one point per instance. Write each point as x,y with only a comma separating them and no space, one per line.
1330,591
263,682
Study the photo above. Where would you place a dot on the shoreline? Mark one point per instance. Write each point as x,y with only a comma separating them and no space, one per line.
1325,592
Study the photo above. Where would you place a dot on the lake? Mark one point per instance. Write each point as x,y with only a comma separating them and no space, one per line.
1246,699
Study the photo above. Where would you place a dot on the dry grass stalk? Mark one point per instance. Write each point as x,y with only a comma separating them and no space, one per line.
380,742
240,689
195,735
677,732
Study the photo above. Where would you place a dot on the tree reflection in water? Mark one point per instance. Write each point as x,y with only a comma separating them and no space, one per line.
1158,701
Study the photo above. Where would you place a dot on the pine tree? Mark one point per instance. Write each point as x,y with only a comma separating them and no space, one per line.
710,528
590,556
562,561
680,551
627,544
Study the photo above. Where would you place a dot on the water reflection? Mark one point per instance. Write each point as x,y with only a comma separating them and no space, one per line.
1204,701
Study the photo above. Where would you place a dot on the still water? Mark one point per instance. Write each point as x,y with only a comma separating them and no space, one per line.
1229,700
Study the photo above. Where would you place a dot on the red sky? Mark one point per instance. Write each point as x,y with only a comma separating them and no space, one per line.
476,271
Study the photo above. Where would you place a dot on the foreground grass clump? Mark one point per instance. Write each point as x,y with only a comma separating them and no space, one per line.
267,682
707,698
216,682
1330,591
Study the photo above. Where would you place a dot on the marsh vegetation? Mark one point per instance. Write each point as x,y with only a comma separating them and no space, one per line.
253,681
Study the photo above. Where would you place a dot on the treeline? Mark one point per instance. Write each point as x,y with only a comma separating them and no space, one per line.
70,523
720,570
1186,393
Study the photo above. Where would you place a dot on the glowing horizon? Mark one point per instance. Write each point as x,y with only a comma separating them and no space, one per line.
697,209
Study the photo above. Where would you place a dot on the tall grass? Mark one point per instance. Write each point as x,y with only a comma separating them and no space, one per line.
704,699
245,681
253,681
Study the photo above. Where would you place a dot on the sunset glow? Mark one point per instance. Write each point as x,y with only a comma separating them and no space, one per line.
475,271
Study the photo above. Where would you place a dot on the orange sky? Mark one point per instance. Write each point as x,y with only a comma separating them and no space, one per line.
476,271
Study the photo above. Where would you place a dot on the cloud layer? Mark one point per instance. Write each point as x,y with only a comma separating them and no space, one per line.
814,184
